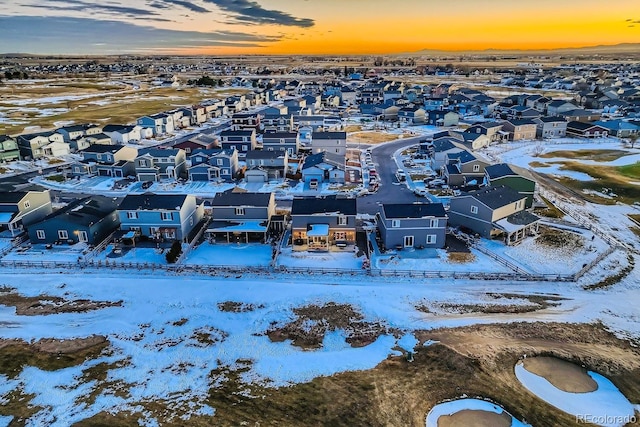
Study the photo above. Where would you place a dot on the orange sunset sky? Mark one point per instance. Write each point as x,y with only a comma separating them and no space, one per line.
313,26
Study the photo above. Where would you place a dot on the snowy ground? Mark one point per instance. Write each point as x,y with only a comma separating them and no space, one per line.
605,406
448,408
216,254
141,255
346,260
39,253
435,260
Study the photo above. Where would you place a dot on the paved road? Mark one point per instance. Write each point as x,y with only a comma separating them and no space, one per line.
390,190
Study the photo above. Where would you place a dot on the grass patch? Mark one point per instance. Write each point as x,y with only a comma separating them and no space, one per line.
597,155
550,211
46,304
237,307
3,170
614,279
372,137
461,257
630,171
352,128
554,238
56,178
535,164
15,355
55,161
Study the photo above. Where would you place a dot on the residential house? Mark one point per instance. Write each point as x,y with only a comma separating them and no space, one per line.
331,142
502,174
580,116
154,164
491,129
463,168
32,146
71,133
213,165
247,121
323,167
122,134
199,142
106,160
412,225
559,106
161,123
474,141
323,223
412,115
551,127
241,217
278,122
519,129
263,166
619,128
160,216
20,209
9,149
522,112
89,220
56,149
281,141
493,211
443,118
241,140
586,130
438,150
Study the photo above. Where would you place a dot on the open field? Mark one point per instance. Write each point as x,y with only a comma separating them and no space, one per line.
473,361
47,104
596,155
620,180
373,137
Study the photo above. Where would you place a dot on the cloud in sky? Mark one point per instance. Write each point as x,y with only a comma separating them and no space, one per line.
250,12
37,34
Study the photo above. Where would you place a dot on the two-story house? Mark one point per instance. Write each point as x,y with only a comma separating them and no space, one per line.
586,130
412,225
442,118
241,140
323,224
463,168
20,209
161,123
122,134
213,165
263,166
9,149
502,174
493,211
323,167
89,220
160,216
241,217
154,164
199,142
491,129
34,146
331,142
281,141
106,160
551,127
519,129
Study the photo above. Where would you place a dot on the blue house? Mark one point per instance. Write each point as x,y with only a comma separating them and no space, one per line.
213,165
160,216
154,164
89,220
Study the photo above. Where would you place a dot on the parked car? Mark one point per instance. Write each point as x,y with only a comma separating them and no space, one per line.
147,184
437,182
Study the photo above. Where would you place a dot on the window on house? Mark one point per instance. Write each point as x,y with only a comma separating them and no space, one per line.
474,209
395,223
63,234
99,156
431,239
219,162
166,216
433,223
143,163
244,148
476,168
239,211
40,234
132,215
225,172
342,220
27,204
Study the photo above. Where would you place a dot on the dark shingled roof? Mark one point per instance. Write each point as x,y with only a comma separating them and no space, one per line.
329,135
11,197
278,135
499,170
264,154
102,148
413,210
145,202
318,205
241,199
85,211
496,197
522,218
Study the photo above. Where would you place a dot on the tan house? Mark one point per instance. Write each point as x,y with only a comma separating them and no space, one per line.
520,129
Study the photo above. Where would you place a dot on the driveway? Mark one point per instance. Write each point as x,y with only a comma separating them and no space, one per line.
390,191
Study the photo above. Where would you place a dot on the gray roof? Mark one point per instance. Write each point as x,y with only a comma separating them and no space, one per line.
496,197
159,152
318,205
329,135
278,135
264,154
499,170
146,202
102,148
4,138
414,210
464,156
12,197
241,199
85,211
522,218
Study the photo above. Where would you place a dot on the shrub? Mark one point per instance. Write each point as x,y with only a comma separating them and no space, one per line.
174,253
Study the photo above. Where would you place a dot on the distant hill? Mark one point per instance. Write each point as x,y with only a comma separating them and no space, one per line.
600,49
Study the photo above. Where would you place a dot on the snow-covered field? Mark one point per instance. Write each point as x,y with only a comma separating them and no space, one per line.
605,406
448,408
216,254
329,260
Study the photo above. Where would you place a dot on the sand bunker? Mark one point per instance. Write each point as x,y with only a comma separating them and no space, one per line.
475,418
565,376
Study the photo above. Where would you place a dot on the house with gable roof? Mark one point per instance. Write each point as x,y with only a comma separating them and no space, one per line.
323,224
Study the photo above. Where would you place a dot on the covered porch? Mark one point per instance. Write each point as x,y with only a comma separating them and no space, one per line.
518,226
321,238
237,231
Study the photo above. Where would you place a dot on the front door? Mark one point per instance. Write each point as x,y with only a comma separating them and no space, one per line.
408,241
82,236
